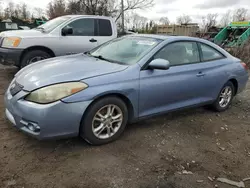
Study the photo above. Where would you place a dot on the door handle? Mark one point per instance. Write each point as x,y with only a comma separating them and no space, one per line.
92,40
200,74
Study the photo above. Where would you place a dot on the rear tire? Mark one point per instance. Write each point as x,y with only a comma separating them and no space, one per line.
224,98
98,126
33,56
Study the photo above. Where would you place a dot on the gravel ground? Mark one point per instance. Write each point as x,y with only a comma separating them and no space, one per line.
152,153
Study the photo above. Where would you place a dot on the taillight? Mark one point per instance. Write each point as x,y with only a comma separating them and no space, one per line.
244,65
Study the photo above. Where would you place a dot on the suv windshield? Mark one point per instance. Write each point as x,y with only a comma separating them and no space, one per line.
52,24
126,50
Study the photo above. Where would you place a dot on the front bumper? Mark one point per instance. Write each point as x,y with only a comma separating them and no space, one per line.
10,56
56,120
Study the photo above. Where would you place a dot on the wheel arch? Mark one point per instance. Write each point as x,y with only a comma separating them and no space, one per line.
235,83
32,48
123,97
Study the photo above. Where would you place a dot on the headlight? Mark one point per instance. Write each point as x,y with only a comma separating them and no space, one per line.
55,92
9,42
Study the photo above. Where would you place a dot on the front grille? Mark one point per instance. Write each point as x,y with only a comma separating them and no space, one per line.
15,88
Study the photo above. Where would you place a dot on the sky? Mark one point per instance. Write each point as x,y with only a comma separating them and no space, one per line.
172,8
195,8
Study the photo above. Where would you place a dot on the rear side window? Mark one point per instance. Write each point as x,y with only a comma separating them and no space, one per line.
105,28
209,53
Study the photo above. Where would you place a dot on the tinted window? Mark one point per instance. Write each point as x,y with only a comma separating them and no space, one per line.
83,27
180,53
105,28
210,53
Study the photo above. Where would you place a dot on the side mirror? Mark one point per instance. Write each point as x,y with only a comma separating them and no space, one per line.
67,31
160,64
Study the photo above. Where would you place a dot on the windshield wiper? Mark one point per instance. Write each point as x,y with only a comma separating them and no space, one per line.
87,53
101,58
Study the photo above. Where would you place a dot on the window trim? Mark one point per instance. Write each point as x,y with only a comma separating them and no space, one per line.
201,53
145,66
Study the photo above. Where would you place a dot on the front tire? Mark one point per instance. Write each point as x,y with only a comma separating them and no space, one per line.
104,121
33,56
225,97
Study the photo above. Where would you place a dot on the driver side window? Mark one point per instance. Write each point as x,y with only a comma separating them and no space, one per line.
180,53
83,27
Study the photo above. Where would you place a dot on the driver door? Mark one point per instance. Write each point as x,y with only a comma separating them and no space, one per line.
177,87
83,38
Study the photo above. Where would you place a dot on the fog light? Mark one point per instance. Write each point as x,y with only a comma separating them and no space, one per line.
33,127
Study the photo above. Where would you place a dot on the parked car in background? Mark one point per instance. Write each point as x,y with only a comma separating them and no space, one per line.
61,36
96,94
8,25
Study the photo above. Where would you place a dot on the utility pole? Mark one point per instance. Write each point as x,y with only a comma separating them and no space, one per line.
122,9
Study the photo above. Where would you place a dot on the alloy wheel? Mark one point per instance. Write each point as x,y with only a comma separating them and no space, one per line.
107,121
225,96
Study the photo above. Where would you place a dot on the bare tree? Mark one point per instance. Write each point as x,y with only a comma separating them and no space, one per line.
97,7
106,7
138,21
75,7
6,13
226,18
184,19
50,11
1,8
240,14
24,11
9,11
11,7
164,21
134,5
128,20
56,8
39,12
209,21
18,11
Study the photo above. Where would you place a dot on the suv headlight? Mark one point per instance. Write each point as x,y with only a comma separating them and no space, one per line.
10,42
55,92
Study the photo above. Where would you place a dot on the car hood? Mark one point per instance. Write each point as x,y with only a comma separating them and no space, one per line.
64,69
22,33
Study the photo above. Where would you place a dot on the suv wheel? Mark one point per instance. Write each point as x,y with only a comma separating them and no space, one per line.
34,56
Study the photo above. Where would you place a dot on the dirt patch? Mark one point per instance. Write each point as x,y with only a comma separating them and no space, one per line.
152,153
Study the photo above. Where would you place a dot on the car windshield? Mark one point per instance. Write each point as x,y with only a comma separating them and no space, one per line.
126,50
52,24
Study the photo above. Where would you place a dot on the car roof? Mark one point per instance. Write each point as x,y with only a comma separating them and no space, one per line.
83,15
166,37
162,37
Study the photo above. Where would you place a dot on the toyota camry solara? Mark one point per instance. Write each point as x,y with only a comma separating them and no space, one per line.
96,94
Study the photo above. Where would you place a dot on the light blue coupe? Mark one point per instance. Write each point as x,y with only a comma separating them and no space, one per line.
96,94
